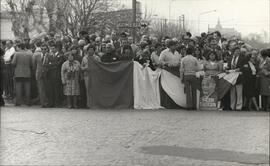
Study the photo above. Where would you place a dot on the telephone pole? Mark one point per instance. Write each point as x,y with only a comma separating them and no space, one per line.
134,14
184,22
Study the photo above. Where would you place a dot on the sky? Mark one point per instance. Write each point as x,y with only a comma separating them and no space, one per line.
246,16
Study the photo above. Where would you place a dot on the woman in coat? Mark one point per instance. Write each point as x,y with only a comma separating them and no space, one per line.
264,73
249,85
70,78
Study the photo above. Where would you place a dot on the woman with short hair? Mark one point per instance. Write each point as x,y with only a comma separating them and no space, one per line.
249,88
70,78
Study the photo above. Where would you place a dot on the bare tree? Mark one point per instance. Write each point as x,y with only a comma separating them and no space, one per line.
20,11
65,16
161,28
26,16
81,14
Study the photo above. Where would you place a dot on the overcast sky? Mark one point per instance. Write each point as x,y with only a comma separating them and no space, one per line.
247,16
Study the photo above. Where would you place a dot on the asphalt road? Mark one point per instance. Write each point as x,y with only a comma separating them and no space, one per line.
35,136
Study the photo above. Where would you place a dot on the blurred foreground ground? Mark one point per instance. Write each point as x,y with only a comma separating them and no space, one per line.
35,136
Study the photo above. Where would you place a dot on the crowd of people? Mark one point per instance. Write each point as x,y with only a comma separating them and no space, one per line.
53,70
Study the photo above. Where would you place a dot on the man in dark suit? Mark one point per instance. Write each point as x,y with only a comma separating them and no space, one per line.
236,63
110,55
54,61
38,60
22,62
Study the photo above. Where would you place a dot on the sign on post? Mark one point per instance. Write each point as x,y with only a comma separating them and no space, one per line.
129,25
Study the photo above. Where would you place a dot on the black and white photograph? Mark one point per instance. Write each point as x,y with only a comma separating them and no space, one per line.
134,82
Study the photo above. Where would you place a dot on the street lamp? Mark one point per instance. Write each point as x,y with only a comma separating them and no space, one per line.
170,4
203,13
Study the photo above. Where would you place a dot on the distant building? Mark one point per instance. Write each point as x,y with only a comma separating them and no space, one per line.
226,32
120,20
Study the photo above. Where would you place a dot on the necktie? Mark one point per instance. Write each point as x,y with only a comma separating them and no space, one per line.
233,62
44,59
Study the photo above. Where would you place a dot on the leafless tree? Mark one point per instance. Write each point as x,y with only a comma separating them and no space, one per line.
65,16
20,11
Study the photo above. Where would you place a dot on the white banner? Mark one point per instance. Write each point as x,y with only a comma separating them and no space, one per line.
146,87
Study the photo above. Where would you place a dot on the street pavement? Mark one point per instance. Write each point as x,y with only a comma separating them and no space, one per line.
38,136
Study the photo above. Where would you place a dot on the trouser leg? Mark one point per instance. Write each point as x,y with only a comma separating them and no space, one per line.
57,93
233,97
188,92
193,92
239,98
69,102
42,92
27,86
49,91
75,101
18,90
86,82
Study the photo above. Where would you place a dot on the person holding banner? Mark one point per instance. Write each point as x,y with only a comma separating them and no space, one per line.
212,67
170,61
170,57
110,55
90,52
236,65
155,55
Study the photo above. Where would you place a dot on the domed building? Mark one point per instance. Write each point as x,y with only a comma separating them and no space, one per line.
226,32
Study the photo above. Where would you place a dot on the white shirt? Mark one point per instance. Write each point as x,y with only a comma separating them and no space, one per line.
167,57
9,52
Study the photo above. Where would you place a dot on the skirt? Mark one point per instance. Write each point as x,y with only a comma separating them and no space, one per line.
72,88
265,86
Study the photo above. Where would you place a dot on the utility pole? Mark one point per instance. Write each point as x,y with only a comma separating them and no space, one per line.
179,23
134,12
184,23
165,22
